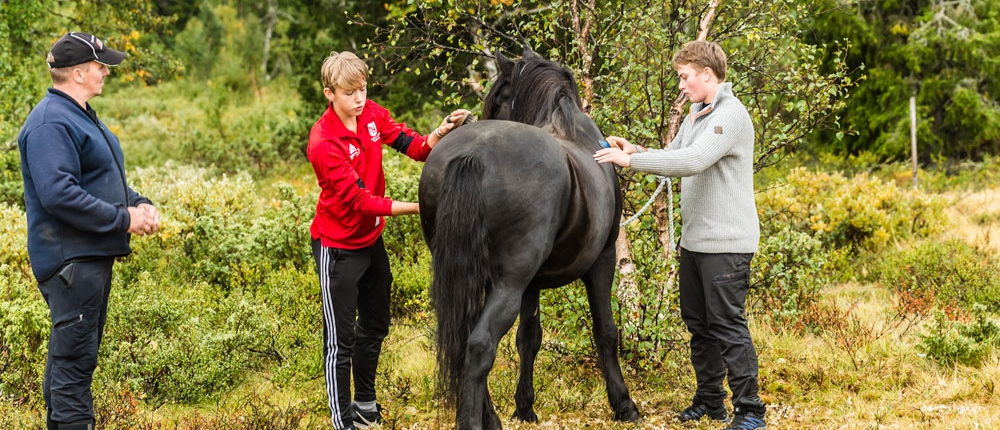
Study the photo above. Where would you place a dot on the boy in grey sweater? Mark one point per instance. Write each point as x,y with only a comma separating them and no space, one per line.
713,154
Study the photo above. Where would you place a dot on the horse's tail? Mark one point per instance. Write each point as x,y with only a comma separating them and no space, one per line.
461,266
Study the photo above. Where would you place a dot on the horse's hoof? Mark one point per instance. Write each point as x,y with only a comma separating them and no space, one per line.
628,413
493,424
527,416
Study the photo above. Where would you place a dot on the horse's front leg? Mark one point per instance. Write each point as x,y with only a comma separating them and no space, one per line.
598,281
475,408
491,420
529,340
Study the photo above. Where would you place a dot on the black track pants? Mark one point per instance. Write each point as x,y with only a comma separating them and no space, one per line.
354,290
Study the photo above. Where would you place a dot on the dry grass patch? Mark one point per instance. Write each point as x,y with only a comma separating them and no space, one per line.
976,216
862,371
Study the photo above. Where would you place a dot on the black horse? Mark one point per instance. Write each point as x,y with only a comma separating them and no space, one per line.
509,206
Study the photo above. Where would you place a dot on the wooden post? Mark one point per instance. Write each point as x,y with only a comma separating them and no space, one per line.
913,137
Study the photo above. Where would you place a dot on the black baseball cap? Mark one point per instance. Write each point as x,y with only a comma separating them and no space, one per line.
79,48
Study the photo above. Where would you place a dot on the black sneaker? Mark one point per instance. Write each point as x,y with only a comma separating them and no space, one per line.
747,421
695,412
365,419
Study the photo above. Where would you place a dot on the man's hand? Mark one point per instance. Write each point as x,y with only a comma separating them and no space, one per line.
622,144
143,219
613,155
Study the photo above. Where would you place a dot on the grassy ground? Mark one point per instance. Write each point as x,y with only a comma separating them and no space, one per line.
866,377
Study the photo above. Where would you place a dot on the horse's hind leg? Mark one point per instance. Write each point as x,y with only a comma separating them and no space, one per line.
598,281
529,340
475,409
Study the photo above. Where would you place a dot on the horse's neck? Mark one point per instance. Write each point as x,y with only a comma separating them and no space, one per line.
586,129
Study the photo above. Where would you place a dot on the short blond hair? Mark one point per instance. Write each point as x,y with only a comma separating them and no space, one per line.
344,70
701,53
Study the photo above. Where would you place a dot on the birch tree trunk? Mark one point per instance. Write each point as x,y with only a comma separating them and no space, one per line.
628,290
270,20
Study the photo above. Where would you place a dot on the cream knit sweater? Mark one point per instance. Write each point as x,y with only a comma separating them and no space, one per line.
713,154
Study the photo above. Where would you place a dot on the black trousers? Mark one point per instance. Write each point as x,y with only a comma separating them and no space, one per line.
354,290
78,307
713,289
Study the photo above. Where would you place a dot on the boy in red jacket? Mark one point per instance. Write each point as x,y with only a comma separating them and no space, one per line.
345,150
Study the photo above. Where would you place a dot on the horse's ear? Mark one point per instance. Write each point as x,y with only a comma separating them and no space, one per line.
528,53
506,66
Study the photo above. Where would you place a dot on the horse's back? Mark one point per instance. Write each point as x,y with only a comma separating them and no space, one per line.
505,146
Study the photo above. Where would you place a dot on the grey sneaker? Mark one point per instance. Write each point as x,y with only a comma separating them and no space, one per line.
696,412
365,419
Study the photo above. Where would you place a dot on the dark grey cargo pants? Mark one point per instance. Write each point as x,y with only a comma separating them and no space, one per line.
713,289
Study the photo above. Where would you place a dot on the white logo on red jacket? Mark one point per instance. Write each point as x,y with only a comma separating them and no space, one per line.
355,152
373,131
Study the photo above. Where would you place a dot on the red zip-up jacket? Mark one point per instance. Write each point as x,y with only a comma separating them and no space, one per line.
348,167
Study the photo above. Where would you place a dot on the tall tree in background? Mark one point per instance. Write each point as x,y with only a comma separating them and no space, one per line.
946,53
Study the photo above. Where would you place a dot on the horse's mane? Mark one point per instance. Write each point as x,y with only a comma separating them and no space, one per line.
535,91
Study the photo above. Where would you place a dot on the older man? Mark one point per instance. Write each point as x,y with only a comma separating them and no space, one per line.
81,213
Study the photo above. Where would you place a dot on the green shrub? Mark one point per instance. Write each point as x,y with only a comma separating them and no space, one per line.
183,343
209,125
212,227
650,326
951,342
861,211
24,335
11,185
965,174
933,273
13,417
789,273
24,318
652,332
14,239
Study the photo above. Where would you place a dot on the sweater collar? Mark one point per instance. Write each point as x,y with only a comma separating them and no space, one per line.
701,109
725,91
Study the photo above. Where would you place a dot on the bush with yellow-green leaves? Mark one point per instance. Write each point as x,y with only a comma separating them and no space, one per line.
860,211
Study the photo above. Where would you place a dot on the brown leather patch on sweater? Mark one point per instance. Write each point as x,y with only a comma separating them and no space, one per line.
718,129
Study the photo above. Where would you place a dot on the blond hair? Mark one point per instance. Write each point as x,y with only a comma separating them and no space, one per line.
344,70
700,54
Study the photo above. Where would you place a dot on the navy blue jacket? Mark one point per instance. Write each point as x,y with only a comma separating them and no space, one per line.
75,192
